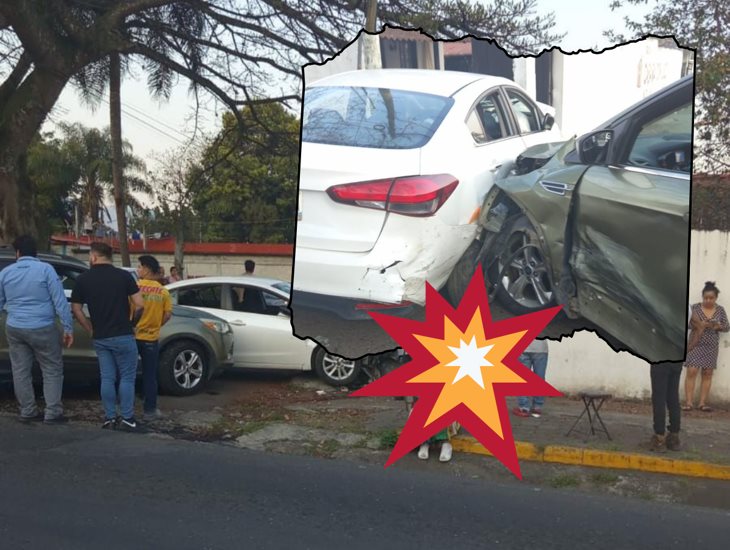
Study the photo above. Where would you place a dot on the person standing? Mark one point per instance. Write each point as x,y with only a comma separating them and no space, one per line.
535,358
174,277
157,312
32,293
250,265
107,291
665,397
711,319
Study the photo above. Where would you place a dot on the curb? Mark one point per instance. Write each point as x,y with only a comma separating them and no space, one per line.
560,454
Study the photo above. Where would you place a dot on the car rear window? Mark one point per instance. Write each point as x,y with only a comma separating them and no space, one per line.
377,118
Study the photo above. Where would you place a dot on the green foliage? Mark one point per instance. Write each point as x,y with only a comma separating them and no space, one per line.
704,25
247,178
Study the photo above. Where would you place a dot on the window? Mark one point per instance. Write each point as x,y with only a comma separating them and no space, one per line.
526,113
492,118
201,296
378,118
254,300
475,128
283,286
665,142
68,276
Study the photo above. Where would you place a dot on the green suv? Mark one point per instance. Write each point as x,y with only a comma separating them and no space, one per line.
194,346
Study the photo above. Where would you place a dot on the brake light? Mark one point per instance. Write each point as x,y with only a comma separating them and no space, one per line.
410,196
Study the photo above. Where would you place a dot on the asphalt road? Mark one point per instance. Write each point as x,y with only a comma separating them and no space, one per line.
76,487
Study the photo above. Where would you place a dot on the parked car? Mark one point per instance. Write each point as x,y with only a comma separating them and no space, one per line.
601,225
257,310
194,346
395,164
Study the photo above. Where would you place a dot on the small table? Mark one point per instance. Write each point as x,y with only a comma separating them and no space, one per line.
592,402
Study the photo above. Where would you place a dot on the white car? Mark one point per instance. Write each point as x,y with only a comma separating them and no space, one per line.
256,309
395,164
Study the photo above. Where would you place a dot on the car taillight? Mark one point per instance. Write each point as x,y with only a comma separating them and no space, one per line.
411,196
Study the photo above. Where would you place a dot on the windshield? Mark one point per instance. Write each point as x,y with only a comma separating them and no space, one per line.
284,287
378,118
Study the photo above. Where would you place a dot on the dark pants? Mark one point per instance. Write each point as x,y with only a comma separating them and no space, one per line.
149,353
665,395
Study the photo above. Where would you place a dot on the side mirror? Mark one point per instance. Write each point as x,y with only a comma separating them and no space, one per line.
548,122
592,147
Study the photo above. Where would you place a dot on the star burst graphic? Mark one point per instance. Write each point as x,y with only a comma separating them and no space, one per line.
462,367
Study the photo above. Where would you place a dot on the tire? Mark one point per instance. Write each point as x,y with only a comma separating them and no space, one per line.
184,368
524,286
333,370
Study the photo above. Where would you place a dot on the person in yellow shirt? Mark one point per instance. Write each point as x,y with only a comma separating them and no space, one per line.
157,312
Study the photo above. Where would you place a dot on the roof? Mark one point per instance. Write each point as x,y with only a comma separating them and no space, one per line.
402,34
443,83
230,279
463,47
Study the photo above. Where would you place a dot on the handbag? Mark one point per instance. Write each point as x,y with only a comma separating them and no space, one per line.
695,333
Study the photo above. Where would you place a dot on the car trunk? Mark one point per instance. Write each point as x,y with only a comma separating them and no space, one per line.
328,225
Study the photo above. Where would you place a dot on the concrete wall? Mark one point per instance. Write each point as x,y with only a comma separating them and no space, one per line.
588,88
585,362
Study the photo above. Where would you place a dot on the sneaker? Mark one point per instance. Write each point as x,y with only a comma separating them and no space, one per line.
109,424
152,416
658,444
446,451
672,441
536,413
38,417
524,413
423,451
56,420
128,424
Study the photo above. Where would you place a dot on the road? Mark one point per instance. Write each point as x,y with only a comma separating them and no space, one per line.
76,487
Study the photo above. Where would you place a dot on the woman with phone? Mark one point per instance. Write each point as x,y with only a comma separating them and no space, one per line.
710,319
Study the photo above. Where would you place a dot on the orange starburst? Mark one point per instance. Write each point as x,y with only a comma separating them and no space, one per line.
462,367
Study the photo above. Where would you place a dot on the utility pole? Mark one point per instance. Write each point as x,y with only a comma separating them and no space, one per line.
369,43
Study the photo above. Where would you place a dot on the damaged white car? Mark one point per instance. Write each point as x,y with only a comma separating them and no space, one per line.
395,164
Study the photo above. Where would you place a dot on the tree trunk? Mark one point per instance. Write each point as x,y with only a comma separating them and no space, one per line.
21,115
179,243
370,56
115,112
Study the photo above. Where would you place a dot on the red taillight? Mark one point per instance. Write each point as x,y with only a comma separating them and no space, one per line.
411,196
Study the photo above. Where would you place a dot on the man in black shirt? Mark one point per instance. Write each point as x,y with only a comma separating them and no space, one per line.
107,291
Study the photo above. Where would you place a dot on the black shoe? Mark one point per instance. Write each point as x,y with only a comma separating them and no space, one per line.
56,420
128,425
28,419
109,424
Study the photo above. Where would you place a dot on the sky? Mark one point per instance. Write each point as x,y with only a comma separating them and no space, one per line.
153,127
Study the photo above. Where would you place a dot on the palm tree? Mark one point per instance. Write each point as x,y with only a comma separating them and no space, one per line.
90,150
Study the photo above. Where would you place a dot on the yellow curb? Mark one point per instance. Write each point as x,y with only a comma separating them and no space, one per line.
601,459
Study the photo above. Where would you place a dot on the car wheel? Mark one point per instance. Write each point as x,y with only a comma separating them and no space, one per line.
520,273
334,370
183,368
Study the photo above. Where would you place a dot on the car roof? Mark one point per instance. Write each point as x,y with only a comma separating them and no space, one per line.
443,83
8,251
230,279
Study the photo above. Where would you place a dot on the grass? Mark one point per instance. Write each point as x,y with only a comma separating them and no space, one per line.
602,478
562,481
388,439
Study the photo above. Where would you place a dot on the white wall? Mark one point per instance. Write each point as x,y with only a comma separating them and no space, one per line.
585,362
591,88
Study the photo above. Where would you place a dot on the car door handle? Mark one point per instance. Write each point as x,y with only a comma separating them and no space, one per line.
238,323
495,168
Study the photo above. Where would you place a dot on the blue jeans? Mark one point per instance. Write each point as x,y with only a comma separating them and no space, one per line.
118,364
149,352
537,362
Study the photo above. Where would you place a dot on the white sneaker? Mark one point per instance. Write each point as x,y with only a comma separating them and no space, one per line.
446,452
423,451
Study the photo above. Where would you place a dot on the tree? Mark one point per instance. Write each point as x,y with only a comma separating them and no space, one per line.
90,151
704,25
248,190
236,52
